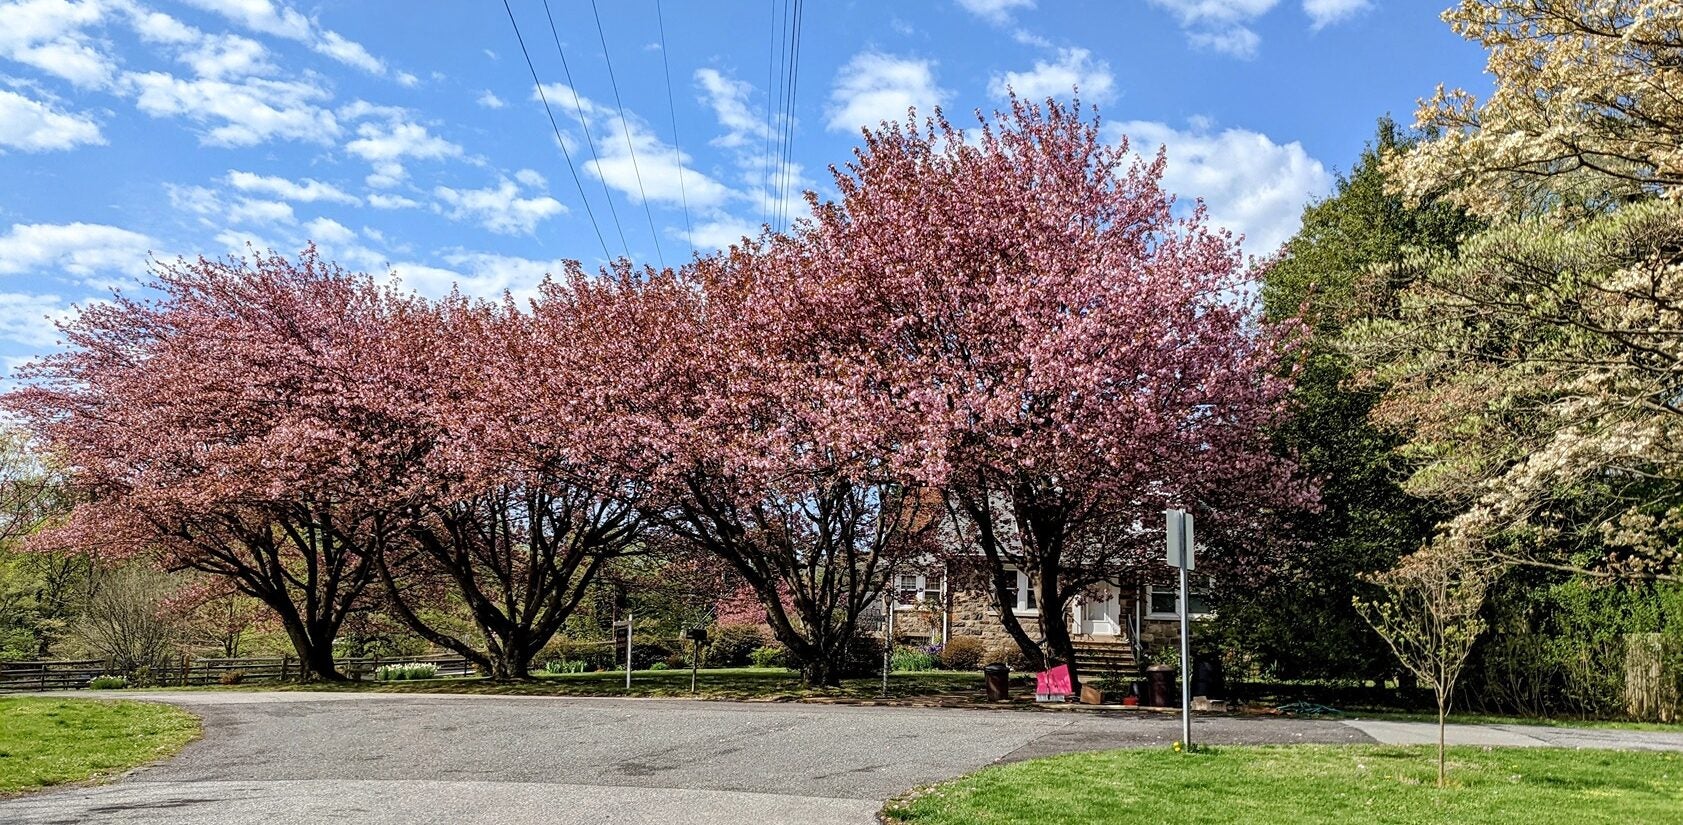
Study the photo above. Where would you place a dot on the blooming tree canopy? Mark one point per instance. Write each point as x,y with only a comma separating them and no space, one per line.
1053,346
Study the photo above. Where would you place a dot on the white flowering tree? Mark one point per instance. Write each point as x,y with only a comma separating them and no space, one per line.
1587,109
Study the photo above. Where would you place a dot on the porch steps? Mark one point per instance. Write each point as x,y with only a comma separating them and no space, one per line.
1111,659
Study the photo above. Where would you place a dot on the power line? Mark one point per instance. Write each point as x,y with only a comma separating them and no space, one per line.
672,107
773,50
626,126
786,169
578,105
553,125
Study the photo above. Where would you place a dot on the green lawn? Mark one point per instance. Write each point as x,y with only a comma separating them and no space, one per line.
52,741
770,684
1372,785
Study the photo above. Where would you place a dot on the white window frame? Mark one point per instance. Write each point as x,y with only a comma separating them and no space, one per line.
923,591
1021,608
1152,590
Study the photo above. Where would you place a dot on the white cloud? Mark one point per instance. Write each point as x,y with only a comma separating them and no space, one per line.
281,20
995,11
51,35
383,201
1323,13
1235,41
1220,25
262,212
29,319
308,190
631,159
489,275
1074,68
262,16
874,87
728,98
489,100
722,231
32,126
386,145
245,112
349,52
329,231
80,249
499,208
1251,185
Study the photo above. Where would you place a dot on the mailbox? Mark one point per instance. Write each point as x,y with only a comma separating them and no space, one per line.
697,635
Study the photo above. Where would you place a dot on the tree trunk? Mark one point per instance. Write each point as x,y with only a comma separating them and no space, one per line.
1443,779
1054,627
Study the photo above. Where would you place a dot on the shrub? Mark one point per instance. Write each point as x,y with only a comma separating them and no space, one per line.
733,645
231,677
769,656
909,659
563,666
406,672
963,653
677,661
1007,654
108,682
864,656
661,665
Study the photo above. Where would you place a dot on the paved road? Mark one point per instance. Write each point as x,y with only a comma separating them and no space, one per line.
284,758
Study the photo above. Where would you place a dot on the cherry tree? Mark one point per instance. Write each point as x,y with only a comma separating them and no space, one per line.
226,424
710,383
507,524
1054,347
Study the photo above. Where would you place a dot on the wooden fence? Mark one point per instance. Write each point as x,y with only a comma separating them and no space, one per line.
69,675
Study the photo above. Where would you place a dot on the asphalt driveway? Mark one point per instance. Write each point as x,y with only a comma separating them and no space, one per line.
284,758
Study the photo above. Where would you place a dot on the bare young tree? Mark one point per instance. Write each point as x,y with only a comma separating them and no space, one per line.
126,621
1429,615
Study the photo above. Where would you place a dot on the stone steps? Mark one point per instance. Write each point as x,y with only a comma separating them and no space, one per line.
1106,659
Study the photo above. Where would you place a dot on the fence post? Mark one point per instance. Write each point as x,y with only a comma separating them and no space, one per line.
285,661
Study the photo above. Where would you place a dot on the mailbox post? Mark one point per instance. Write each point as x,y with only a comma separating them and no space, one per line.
697,637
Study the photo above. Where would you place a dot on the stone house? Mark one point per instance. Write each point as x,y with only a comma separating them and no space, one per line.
1116,626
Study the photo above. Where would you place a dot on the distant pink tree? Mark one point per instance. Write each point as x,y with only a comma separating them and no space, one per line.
1059,352
224,425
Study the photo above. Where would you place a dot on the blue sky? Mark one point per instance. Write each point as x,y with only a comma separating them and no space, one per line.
407,136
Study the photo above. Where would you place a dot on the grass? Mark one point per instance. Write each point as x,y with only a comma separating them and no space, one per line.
1373,785
46,742
1495,719
765,684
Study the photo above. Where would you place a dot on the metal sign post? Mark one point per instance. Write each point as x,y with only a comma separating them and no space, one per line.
628,648
887,637
1181,557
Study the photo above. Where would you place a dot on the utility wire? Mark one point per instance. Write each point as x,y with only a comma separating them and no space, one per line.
672,108
772,52
553,125
626,126
788,177
578,105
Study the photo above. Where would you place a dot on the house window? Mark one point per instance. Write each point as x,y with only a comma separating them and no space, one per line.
1163,603
1023,597
912,590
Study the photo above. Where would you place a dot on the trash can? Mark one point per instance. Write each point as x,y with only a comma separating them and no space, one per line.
1208,679
998,679
1160,687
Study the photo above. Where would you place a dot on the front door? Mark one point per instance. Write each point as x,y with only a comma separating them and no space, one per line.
1101,612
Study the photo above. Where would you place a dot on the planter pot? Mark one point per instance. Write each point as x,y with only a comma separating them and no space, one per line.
1160,691
1130,701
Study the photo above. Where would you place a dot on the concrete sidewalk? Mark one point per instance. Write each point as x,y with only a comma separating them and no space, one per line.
1519,736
